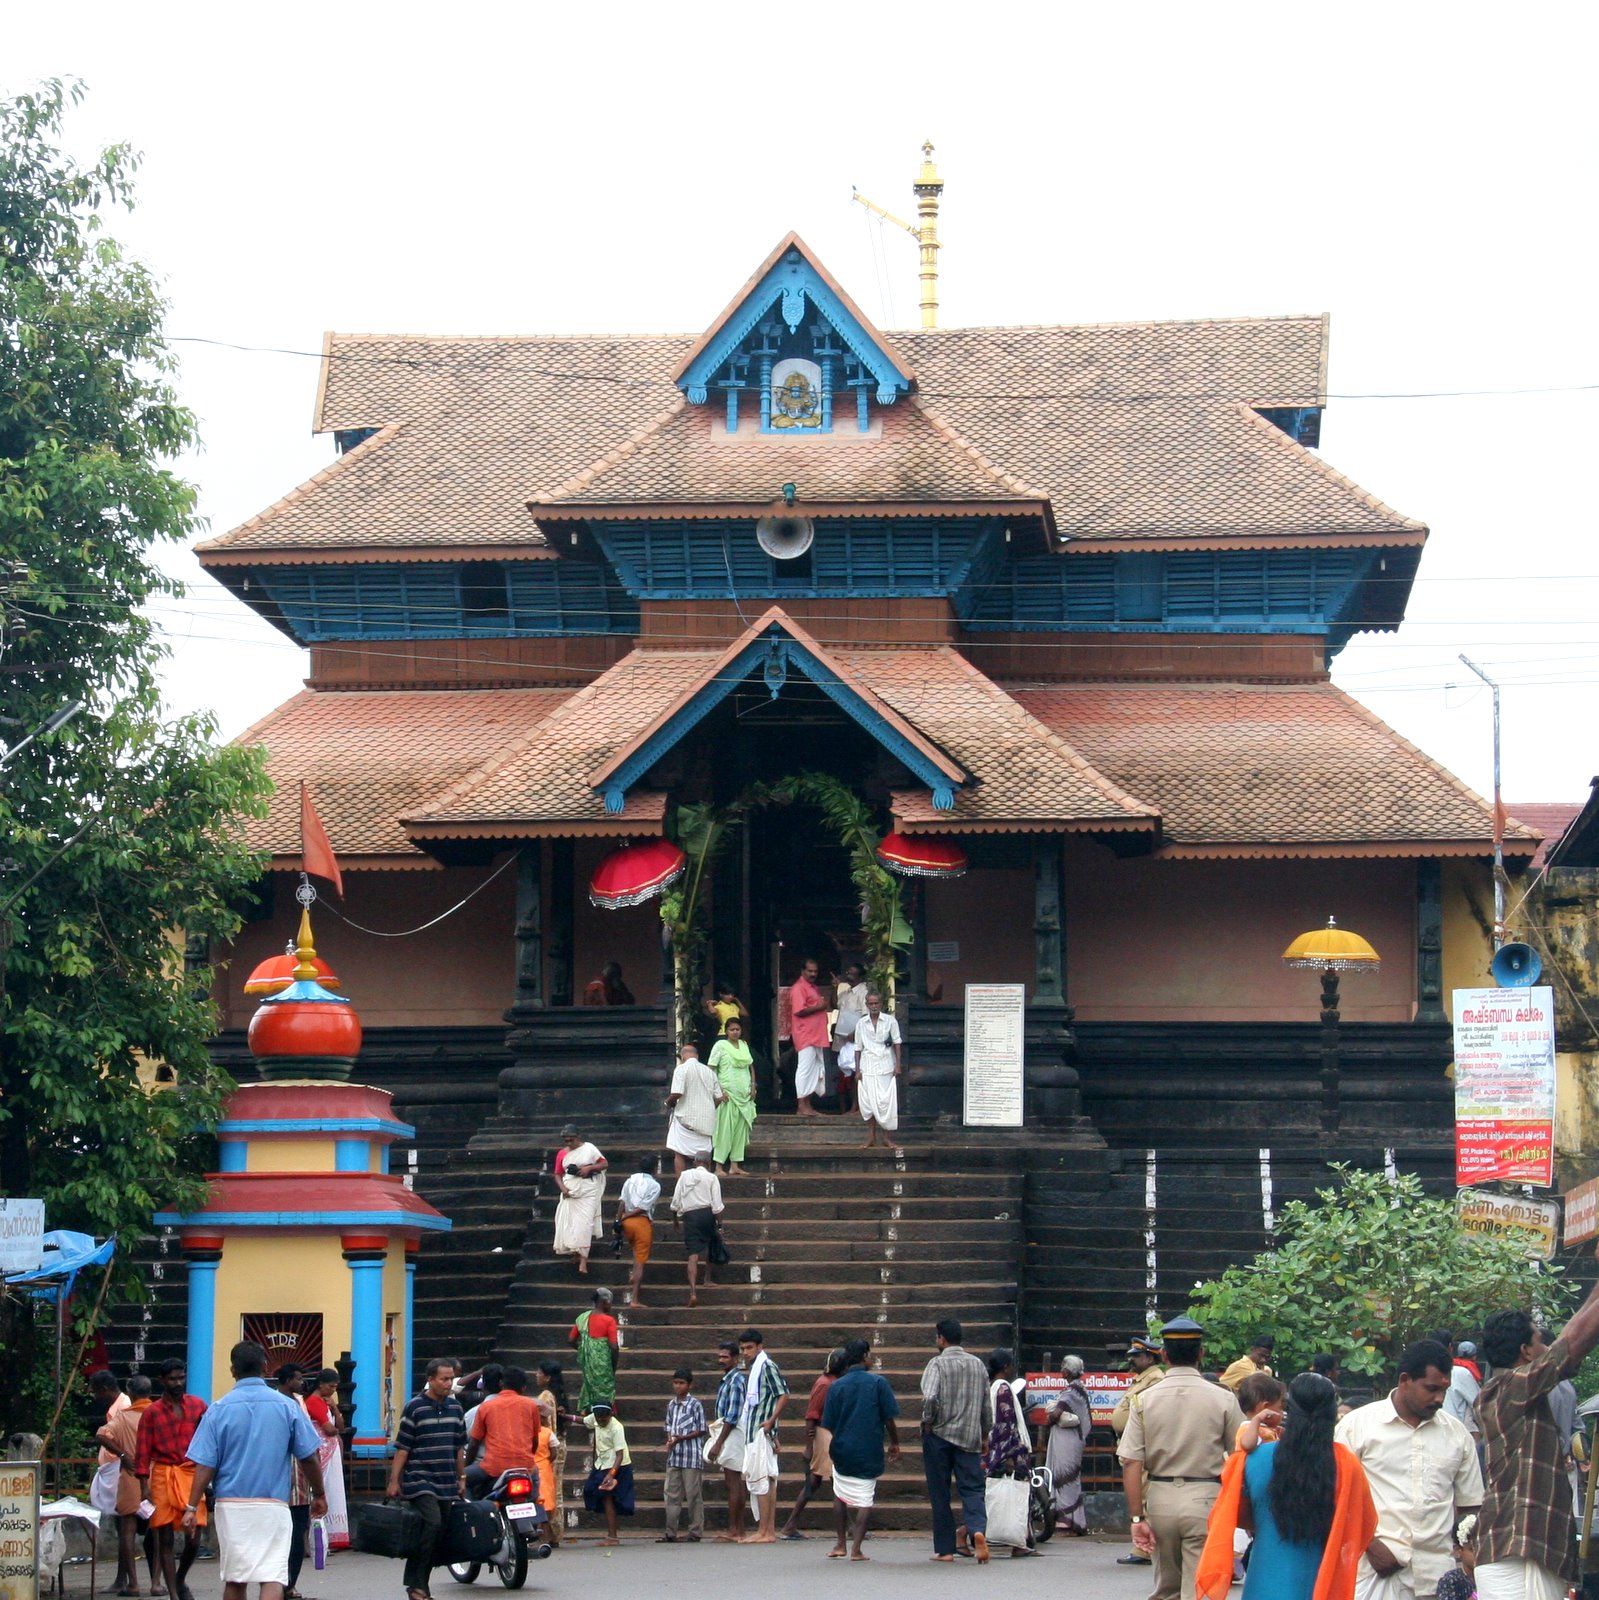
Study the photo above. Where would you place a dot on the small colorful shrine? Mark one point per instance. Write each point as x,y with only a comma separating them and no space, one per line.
307,1242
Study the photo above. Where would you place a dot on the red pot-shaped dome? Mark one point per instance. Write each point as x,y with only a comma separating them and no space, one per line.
926,855
276,973
305,1033
636,873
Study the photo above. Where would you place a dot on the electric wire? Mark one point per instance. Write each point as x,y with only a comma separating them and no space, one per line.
432,922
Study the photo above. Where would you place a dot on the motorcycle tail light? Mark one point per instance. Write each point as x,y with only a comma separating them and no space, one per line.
519,1488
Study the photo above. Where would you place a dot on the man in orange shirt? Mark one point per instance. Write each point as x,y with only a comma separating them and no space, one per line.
507,1427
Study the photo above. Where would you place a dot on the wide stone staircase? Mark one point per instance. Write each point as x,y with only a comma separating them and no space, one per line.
829,1242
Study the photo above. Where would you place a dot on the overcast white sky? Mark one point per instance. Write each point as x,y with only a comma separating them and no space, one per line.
1423,172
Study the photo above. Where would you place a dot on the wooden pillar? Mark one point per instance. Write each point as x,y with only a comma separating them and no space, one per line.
530,925
918,908
560,936
1430,942
1049,927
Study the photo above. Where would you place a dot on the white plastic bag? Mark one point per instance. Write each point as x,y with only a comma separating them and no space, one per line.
1006,1500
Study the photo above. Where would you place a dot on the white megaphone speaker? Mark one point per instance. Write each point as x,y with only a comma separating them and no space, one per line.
783,533
1516,966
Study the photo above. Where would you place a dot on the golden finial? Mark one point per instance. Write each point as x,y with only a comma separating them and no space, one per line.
304,948
928,186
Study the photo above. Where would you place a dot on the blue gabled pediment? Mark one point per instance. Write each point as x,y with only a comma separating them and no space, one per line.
793,316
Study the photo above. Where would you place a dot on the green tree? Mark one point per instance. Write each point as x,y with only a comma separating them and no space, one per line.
1373,1265
122,827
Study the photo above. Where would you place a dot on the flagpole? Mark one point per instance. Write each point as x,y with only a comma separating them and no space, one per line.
1499,818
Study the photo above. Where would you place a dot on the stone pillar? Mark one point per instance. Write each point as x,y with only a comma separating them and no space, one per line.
1049,926
918,961
561,933
1430,942
203,1256
365,1256
530,925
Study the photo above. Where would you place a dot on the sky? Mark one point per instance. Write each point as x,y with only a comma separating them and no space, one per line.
1422,176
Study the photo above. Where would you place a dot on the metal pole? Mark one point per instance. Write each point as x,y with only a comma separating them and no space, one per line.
1499,817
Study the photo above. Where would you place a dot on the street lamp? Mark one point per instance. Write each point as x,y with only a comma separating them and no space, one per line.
1331,950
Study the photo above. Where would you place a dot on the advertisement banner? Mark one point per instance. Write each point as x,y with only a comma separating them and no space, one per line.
1535,1223
21,1235
1504,1086
1105,1390
1582,1212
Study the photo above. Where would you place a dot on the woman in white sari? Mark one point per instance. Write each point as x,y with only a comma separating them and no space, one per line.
323,1411
580,1171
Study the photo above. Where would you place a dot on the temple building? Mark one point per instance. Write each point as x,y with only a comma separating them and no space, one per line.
1065,595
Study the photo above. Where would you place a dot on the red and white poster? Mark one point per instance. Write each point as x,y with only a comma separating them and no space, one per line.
1105,1390
1504,1086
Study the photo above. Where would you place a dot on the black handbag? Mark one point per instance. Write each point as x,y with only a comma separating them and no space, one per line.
471,1531
718,1255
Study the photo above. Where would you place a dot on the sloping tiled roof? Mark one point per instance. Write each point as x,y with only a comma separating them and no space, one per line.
1139,430
1551,818
687,457
369,756
545,784
1246,769
1026,775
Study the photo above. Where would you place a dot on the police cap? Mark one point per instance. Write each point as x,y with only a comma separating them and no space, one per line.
1180,1328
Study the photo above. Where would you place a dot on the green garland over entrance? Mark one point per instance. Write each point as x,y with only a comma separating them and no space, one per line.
702,831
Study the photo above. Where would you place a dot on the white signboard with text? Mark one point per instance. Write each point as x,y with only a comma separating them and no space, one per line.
19,1530
1504,1086
21,1235
996,1027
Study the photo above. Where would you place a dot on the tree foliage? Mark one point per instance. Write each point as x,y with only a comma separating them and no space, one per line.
1375,1264
124,829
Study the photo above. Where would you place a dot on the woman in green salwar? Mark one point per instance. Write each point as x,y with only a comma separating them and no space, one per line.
734,1067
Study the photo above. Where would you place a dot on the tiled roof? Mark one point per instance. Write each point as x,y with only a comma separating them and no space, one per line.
687,456
1025,773
1140,430
1235,768
548,778
369,756
1551,818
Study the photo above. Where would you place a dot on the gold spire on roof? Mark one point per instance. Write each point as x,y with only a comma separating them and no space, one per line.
928,186
304,948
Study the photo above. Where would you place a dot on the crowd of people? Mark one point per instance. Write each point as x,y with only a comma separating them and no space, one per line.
1460,1481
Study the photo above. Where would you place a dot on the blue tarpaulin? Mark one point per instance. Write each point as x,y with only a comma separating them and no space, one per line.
66,1254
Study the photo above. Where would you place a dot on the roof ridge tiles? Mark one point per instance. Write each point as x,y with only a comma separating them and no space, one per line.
1327,470
384,435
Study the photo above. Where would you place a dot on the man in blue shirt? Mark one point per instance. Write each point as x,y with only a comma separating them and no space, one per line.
245,1445
859,1413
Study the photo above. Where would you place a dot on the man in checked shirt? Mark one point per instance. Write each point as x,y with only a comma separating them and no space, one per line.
166,1474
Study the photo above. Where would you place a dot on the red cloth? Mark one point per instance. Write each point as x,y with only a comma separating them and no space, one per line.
813,1412
808,1031
507,1426
1354,1526
316,850
318,1410
1470,1366
165,1433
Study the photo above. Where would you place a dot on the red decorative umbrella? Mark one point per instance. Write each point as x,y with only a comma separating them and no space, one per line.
276,973
927,855
636,873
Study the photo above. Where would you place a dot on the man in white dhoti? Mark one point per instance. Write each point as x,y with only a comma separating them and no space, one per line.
245,1445
765,1396
878,1050
580,1171
693,1099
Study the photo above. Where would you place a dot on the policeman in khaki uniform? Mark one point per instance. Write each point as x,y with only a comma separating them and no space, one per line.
1143,1356
1179,1433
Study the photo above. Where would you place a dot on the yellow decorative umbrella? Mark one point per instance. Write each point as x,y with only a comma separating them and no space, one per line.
1332,949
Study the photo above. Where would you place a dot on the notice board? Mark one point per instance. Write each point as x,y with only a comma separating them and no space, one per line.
996,1027
19,1530
1504,1086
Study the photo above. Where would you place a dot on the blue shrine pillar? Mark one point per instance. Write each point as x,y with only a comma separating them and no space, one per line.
365,1257
203,1254
408,1383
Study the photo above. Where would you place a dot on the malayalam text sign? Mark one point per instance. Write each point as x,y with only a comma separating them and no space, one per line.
21,1235
996,1025
1105,1391
19,1530
1535,1223
1504,1086
1582,1212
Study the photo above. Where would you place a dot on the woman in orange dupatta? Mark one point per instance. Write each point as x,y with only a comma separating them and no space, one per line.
1306,1499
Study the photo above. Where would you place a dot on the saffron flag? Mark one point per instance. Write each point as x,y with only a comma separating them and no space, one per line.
316,850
